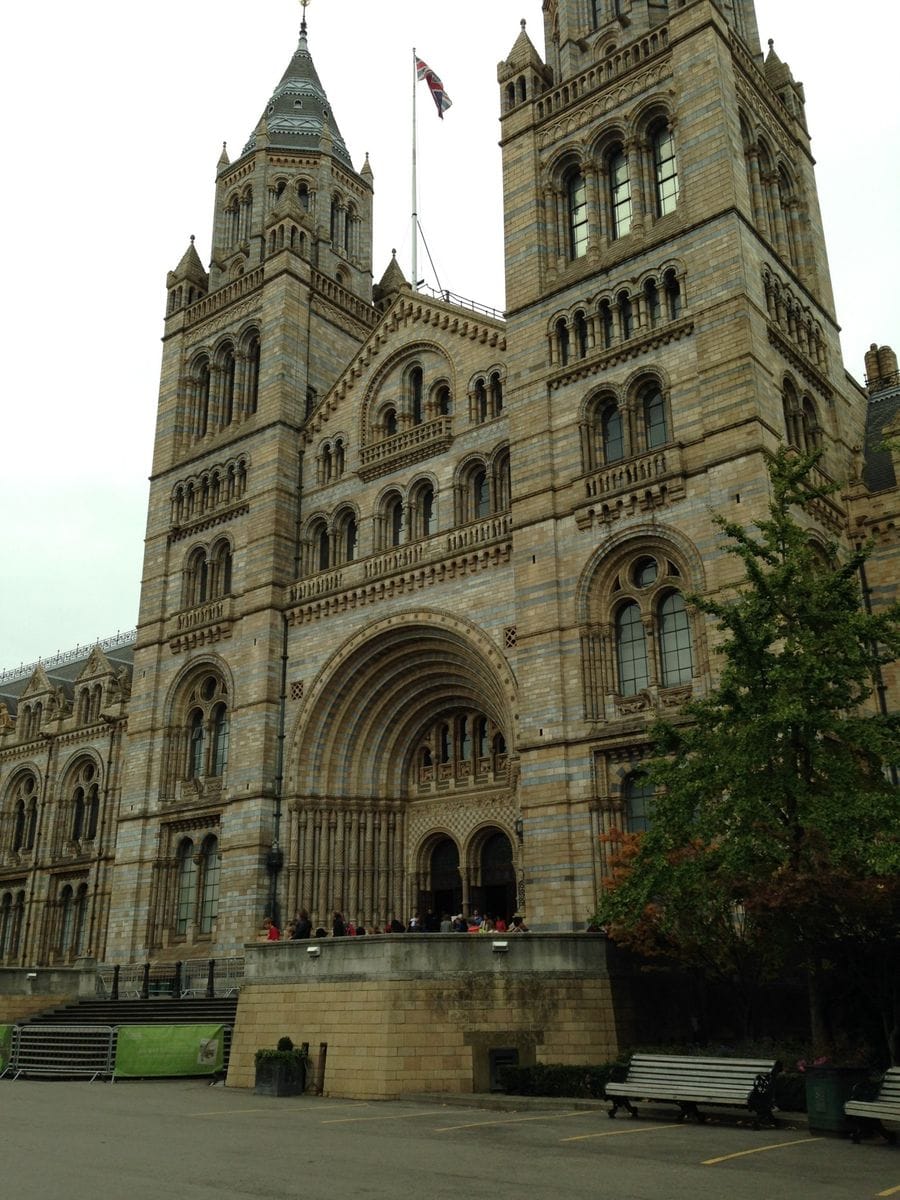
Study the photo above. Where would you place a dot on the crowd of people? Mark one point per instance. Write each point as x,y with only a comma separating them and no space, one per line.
301,927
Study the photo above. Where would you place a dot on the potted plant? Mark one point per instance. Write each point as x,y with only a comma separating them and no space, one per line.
281,1072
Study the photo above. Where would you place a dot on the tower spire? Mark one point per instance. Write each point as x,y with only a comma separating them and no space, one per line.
304,4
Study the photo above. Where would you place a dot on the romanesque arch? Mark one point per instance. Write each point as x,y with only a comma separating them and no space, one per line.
407,739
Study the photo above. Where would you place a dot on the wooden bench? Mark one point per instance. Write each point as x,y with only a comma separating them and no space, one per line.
689,1081
871,1104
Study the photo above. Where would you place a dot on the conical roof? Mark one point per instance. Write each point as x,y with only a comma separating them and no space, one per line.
298,113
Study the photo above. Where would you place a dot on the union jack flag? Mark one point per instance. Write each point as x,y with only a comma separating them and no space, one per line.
440,97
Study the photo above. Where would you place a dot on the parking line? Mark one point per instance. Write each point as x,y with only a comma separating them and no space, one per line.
439,1112
230,1112
548,1116
807,1141
890,1191
583,1137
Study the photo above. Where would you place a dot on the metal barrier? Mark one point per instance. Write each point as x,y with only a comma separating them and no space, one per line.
206,978
66,1051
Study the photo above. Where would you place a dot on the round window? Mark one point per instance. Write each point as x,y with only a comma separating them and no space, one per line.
645,572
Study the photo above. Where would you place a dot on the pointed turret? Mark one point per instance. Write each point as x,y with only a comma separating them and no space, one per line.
188,282
392,282
522,75
298,112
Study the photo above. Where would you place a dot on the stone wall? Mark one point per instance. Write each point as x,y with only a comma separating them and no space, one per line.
422,1013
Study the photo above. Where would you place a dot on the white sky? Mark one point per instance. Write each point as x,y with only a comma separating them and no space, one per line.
113,116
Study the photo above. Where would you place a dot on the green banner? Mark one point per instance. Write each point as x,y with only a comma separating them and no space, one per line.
5,1044
143,1051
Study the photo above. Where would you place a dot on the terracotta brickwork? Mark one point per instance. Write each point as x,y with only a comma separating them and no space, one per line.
417,574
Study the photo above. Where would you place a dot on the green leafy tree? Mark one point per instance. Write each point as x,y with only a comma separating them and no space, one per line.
776,827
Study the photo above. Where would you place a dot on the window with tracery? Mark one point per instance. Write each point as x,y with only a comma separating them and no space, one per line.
652,633
84,802
23,808
205,729
463,745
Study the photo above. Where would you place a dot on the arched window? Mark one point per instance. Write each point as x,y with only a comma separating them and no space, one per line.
322,548
496,394
562,341
638,793
652,301
220,570
219,749
422,511
229,369
481,404
626,314
576,204
196,756
204,732
502,482
253,353
581,334
201,390
77,814
346,535
676,660
665,169
415,395
23,802
480,495
631,650
673,295
392,520
196,578
444,401
620,192
653,408
606,323
389,422
612,434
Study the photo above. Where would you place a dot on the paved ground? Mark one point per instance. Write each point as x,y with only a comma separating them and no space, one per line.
185,1140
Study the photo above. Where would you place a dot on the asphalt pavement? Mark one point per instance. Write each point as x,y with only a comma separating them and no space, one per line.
185,1140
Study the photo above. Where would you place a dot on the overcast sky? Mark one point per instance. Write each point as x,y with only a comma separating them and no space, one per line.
113,118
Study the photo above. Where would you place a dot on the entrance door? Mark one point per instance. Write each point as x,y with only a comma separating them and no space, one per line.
446,882
498,877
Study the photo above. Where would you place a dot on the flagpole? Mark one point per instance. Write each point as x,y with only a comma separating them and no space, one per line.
415,215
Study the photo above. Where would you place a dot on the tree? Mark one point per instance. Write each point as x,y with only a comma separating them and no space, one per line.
775,827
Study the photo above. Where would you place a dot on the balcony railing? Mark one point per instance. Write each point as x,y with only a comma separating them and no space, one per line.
643,471
420,441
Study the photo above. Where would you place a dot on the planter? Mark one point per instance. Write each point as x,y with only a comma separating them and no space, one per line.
827,1088
275,1077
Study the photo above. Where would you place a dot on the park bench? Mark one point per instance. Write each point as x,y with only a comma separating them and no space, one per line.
870,1105
689,1081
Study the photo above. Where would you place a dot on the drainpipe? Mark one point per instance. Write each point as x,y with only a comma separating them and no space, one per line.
275,857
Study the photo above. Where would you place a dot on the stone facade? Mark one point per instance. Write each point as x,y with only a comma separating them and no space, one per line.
415,572
416,1014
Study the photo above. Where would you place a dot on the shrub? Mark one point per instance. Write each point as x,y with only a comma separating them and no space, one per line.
558,1079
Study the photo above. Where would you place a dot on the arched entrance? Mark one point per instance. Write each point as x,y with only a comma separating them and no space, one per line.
495,892
445,895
